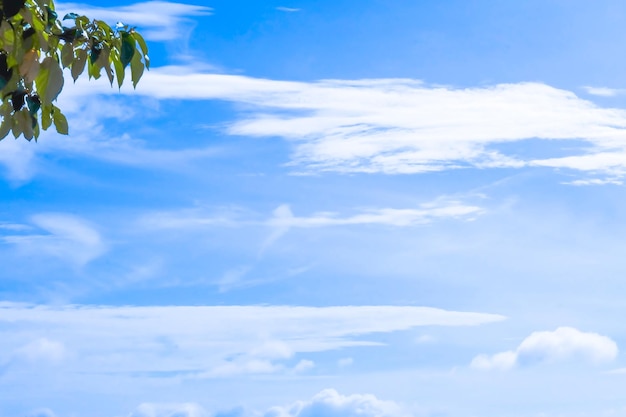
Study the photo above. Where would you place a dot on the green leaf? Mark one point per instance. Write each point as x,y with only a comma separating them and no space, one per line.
50,80
46,117
26,123
119,71
128,49
78,66
141,41
67,54
136,69
70,16
29,66
15,127
60,122
36,129
42,82
5,126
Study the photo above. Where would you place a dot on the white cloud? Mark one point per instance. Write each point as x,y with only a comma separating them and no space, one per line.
596,181
42,412
391,126
344,362
424,339
211,341
169,410
287,9
14,227
189,218
562,344
303,366
404,126
329,403
157,20
603,91
67,237
284,218
41,350
17,158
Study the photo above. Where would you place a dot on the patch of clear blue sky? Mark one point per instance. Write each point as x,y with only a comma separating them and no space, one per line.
564,43
463,43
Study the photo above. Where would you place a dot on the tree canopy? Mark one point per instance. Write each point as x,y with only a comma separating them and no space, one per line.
36,45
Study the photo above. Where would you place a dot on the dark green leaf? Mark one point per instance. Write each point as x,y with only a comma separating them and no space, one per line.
70,16
94,54
12,7
28,33
128,49
33,103
17,99
68,35
52,15
5,71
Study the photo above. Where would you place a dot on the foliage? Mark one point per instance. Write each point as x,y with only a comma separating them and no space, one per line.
35,46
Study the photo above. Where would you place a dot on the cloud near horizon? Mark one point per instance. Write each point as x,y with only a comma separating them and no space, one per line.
562,344
212,341
330,403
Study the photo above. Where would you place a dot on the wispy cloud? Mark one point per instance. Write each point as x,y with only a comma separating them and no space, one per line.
604,91
287,9
284,218
564,343
169,410
158,20
60,235
213,341
392,126
397,126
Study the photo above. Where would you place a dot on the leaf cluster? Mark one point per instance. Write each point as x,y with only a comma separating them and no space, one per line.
36,45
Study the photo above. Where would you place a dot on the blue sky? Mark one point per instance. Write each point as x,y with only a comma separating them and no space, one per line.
306,209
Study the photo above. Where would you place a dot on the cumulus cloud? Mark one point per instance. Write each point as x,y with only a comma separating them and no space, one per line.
562,344
330,403
215,341
60,235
